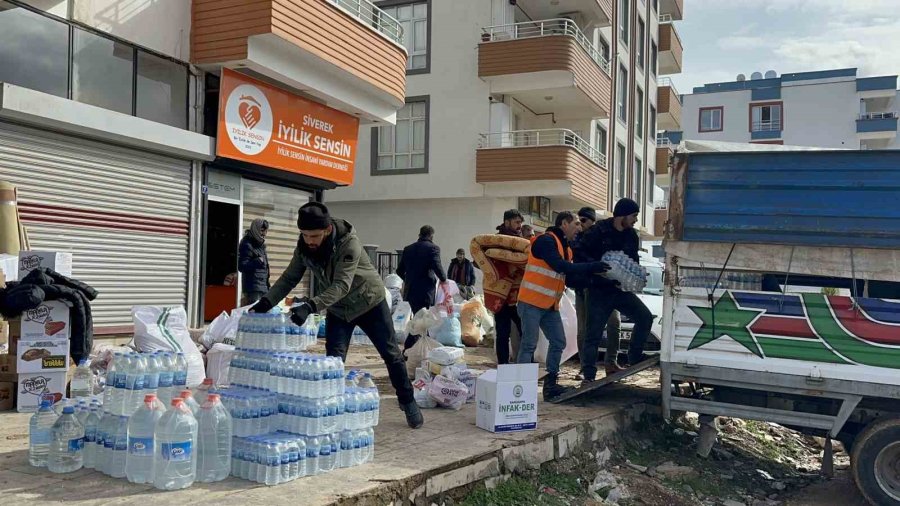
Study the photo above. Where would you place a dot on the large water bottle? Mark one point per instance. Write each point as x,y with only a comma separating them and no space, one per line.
119,453
179,381
139,457
189,401
367,384
214,445
166,377
82,381
91,424
175,463
66,443
40,434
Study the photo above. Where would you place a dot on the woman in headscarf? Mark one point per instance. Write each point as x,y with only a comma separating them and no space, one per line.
253,262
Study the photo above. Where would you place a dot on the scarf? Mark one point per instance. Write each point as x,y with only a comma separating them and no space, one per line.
256,229
504,230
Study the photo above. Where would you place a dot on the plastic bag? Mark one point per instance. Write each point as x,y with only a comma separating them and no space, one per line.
448,332
218,361
423,321
402,316
419,352
469,378
444,293
420,389
448,393
445,355
473,317
165,328
570,325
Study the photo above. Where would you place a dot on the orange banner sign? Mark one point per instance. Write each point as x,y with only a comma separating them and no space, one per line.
262,124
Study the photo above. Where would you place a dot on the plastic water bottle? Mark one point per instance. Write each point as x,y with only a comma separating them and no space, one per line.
151,375
82,381
370,440
67,443
166,377
368,385
119,448
214,445
179,380
201,393
134,383
189,401
91,425
326,458
40,434
312,456
175,463
139,459
105,433
115,384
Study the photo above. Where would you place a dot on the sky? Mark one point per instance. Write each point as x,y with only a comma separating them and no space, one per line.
724,38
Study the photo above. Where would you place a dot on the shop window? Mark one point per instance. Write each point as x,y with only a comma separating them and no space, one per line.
162,90
403,148
413,17
102,71
34,51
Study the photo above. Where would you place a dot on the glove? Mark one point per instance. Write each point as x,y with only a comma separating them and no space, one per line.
599,267
263,306
301,312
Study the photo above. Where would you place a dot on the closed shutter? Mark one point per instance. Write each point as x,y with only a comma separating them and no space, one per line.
279,207
124,215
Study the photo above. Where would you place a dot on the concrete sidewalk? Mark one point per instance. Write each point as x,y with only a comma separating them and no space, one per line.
410,466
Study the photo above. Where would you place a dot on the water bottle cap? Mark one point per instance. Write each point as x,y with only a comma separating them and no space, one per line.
149,398
68,410
208,381
177,402
212,398
185,394
45,403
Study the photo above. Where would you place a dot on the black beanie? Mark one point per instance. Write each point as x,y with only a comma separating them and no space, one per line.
625,207
587,212
313,216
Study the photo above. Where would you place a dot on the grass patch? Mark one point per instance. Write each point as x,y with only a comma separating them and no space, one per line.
518,491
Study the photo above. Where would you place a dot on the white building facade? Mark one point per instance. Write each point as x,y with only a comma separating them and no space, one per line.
514,104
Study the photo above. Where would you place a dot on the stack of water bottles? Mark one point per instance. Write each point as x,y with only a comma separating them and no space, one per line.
275,332
360,337
632,277
295,414
729,280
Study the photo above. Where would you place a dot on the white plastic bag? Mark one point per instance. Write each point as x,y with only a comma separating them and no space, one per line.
165,328
448,393
419,352
420,389
469,378
445,355
402,316
423,321
570,325
218,361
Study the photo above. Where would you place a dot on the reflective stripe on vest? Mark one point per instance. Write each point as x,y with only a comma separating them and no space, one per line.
542,286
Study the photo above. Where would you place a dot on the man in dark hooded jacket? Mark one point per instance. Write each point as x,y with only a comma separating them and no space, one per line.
253,262
349,289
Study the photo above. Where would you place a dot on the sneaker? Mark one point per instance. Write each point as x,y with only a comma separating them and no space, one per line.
414,416
554,390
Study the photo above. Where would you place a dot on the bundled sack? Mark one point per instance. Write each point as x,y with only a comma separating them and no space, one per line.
165,329
448,333
418,354
570,326
474,319
448,393
420,389
502,259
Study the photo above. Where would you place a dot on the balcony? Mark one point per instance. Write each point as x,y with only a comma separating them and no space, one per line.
549,66
668,105
664,151
876,125
765,130
593,12
883,87
670,48
674,9
346,53
553,163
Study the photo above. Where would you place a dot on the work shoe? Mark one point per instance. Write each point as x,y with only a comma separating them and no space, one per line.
612,369
414,416
552,389
637,360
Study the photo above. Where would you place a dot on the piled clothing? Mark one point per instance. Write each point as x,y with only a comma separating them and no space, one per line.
502,258
42,285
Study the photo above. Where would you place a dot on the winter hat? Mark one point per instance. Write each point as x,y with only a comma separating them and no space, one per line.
313,216
625,207
587,212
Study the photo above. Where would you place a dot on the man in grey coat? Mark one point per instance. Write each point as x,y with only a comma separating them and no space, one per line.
349,289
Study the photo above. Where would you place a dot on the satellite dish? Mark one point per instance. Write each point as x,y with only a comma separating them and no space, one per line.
771,74
741,77
756,75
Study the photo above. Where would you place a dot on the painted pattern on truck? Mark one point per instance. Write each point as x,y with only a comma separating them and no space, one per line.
809,327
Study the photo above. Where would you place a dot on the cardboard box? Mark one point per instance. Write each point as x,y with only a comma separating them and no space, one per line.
7,395
31,386
8,363
9,265
4,333
49,321
60,262
507,398
42,356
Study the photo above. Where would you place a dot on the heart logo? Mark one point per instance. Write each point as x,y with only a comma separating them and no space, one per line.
249,111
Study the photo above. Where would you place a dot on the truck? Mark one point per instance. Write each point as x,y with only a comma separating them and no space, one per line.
781,297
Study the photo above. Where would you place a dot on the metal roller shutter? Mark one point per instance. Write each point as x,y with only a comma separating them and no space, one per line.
124,215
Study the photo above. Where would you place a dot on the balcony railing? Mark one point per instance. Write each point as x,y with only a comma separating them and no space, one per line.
666,18
878,115
766,126
545,28
368,14
661,204
667,81
662,141
538,138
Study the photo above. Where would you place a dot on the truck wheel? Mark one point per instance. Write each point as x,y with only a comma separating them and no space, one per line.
876,462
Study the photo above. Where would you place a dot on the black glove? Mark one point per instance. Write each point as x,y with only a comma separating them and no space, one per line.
263,306
599,267
301,312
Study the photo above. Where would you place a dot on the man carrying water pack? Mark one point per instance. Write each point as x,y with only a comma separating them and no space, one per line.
349,289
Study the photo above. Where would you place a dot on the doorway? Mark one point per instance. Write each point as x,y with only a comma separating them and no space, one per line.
222,240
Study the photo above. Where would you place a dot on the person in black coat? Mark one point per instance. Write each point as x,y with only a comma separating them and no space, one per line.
420,267
253,262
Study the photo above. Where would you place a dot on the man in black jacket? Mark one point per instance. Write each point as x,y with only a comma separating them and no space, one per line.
613,234
253,262
420,267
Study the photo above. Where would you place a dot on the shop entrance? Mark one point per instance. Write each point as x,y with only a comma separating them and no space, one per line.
223,227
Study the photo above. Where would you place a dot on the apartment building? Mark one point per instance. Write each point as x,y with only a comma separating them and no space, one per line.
537,105
144,137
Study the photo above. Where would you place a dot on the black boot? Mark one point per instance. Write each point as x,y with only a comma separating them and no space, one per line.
552,389
414,416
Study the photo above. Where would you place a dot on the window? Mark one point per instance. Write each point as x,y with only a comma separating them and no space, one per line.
652,121
636,182
600,144
711,119
620,171
413,17
765,117
403,148
34,51
624,21
656,5
161,90
641,54
102,72
604,49
651,185
622,94
654,53
639,114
